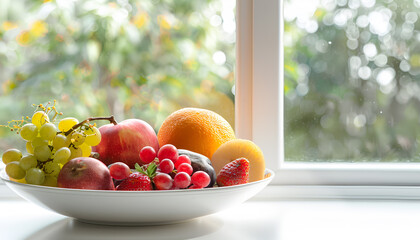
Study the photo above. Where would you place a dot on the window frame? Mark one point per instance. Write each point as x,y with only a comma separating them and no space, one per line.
259,117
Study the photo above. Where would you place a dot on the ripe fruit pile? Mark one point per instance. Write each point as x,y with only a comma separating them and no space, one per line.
194,149
48,146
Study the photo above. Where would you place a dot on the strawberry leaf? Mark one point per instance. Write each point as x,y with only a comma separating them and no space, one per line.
139,169
151,170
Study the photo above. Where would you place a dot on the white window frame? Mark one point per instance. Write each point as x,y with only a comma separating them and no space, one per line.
259,117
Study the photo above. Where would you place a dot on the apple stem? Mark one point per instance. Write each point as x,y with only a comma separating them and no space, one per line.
111,119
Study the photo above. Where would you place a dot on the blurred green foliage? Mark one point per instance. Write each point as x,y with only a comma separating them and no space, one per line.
352,80
132,59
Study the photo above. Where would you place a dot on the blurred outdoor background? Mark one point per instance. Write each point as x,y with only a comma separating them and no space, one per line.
133,59
352,80
352,68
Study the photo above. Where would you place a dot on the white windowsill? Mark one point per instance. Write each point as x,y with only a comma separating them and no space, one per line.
281,219
276,192
349,174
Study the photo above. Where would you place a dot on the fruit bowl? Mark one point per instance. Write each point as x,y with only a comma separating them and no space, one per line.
137,207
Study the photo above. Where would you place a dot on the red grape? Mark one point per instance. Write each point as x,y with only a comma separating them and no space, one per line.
185,167
168,151
182,180
166,166
163,181
147,154
119,170
200,179
182,159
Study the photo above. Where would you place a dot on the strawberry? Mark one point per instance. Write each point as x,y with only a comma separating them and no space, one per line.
234,173
136,182
140,180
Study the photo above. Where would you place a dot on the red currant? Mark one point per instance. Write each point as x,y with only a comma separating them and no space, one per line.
119,170
182,159
182,180
168,151
185,167
200,179
166,166
147,154
163,181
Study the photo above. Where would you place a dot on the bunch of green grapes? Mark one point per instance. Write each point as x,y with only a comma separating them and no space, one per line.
49,147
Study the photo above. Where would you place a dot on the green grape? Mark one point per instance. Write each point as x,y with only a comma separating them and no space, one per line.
40,118
48,131
42,153
50,181
77,138
52,169
11,155
39,142
86,150
29,148
29,132
93,136
13,170
62,155
67,123
27,162
35,176
60,141
75,152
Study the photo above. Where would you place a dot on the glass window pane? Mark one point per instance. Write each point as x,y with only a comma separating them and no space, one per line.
132,59
352,80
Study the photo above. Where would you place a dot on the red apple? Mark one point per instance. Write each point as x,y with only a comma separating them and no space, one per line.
85,173
123,141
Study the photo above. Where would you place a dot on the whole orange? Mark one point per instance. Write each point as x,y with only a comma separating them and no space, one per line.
195,129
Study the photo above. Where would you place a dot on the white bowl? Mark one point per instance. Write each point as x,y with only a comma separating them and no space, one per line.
136,207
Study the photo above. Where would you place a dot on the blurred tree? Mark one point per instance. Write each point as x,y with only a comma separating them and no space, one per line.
133,59
352,80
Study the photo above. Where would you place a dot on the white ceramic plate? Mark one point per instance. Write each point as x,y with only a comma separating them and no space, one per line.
137,207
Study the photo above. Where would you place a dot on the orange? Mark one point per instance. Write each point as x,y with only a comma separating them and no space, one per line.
240,148
195,129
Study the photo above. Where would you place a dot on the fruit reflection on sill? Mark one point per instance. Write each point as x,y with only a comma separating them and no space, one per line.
69,228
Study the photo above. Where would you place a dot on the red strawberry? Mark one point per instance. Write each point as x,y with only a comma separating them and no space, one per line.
234,173
136,182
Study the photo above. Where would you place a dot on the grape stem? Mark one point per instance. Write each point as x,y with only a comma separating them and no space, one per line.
111,119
